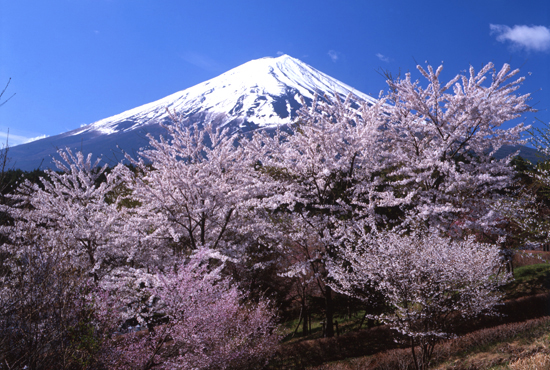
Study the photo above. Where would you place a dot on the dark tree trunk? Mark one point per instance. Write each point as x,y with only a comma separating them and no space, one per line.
329,312
305,314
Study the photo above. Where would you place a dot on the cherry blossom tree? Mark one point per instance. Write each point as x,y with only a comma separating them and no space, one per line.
319,173
73,226
421,157
193,190
45,319
206,323
73,211
528,210
429,281
60,233
440,141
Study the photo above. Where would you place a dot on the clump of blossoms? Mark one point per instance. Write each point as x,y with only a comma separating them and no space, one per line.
428,281
203,322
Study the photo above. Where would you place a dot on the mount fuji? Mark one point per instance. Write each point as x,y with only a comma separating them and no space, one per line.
262,93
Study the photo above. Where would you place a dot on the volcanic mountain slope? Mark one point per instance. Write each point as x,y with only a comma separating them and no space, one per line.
262,93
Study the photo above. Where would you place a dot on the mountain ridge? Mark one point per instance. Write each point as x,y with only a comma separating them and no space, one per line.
262,93
236,90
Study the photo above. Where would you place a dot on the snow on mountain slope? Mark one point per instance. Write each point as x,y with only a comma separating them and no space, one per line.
261,93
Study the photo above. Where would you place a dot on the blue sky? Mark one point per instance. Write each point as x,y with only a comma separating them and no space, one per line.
73,62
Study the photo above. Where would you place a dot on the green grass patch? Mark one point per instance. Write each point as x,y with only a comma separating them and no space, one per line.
532,271
345,325
531,279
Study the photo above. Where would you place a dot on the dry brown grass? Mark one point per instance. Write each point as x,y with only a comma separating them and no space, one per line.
538,361
522,344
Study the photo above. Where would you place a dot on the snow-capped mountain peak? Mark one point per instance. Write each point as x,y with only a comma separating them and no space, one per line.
260,93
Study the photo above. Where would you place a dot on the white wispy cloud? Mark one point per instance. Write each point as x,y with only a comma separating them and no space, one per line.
334,55
279,53
530,38
14,140
36,138
382,57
